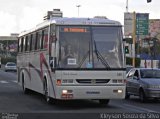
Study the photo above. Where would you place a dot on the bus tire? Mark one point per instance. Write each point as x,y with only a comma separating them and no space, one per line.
46,92
25,90
104,101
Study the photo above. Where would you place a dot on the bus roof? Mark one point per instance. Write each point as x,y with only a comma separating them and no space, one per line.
85,21
74,21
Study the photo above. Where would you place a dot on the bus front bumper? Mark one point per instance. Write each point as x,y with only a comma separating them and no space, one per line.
90,92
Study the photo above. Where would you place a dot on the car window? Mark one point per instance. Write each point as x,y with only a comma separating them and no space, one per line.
11,64
131,73
136,73
150,73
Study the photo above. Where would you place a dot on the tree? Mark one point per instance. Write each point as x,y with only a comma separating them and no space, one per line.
149,1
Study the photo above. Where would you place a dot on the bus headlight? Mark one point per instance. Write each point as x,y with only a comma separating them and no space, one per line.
67,94
118,91
64,91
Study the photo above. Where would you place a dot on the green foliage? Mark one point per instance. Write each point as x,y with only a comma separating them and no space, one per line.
4,60
145,50
149,1
129,40
137,62
129,61
8,42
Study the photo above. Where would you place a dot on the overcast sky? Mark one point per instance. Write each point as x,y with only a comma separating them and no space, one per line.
19,15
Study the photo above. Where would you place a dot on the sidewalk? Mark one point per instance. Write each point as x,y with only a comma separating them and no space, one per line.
2,67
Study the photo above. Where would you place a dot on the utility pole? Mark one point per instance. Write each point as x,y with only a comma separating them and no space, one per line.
78,8
134,38
127,6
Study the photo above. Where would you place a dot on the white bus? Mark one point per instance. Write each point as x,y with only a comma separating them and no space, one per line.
73,58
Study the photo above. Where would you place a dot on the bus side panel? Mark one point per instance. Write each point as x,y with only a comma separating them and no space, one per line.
29,66
19,64
36,72
23,70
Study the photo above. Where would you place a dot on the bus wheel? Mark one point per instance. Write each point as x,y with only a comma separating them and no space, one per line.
104,101
25,90
46,93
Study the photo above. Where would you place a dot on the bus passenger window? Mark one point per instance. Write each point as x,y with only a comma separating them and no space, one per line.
19,44
45,39
30,43
34,46
42,40
36,41
26,43
39,39
22,40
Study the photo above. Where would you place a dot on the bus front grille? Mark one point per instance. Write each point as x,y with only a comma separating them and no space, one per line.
92,81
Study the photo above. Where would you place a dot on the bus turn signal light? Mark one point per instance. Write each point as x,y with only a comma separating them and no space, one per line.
58,82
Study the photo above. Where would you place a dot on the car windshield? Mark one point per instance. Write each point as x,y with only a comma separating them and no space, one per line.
11,64
150,73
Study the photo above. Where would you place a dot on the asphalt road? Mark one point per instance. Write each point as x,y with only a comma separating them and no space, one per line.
14,101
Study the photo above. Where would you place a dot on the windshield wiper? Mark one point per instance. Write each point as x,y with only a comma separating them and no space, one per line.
100,57
85,56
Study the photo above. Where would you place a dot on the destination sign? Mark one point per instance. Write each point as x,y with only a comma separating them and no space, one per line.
74,30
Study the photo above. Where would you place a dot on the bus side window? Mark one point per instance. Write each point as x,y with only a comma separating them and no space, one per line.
22,40
36,41
30,43
39,39
26,43
45,45
19,40
34,47
52,38
42,40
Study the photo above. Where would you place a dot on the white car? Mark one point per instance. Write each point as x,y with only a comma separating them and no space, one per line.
143,82
10,66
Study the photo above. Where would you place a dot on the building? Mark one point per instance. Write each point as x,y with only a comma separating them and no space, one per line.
8,45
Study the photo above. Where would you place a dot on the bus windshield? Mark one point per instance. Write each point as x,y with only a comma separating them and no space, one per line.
90,47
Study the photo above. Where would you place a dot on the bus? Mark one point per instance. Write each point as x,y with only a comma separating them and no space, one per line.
73,58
